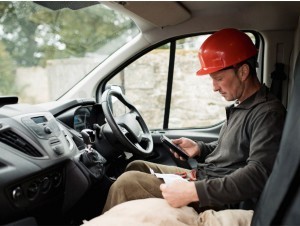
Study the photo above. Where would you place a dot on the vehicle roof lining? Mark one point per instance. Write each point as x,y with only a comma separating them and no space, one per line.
164,14
173,12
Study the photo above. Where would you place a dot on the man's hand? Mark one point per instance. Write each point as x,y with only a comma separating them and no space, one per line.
188,145
179,193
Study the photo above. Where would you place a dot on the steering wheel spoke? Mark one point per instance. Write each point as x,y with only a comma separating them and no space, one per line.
138,146
123,130
146,137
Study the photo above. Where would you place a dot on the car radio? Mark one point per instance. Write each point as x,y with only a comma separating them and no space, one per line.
43,126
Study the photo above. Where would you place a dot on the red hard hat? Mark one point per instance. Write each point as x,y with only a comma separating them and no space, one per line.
223,49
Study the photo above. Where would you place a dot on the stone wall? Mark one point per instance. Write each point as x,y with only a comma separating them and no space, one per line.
41,84
193,103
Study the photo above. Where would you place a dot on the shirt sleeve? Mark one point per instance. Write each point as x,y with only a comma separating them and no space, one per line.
205,149
249,181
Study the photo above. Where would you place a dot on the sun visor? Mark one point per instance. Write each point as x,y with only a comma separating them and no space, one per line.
161,14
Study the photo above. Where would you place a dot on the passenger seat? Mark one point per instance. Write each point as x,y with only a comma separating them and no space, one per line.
279,203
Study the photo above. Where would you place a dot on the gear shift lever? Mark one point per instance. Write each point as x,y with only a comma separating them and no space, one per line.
90,157
88,138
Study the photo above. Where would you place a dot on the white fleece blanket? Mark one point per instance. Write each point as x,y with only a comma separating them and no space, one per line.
158,212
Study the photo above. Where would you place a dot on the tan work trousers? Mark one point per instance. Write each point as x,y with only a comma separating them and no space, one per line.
137,183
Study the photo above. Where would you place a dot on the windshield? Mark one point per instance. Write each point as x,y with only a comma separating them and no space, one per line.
44,52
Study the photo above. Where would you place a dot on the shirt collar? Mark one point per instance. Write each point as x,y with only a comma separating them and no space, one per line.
255,99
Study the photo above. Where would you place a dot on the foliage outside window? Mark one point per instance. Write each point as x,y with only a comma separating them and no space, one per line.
37,42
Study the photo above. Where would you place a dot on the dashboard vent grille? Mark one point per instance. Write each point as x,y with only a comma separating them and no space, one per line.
2,165
14,140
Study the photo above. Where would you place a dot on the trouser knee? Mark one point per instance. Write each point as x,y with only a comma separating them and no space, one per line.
127,179
135,185
138,165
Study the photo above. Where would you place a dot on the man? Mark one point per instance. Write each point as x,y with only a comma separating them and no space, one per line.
235,168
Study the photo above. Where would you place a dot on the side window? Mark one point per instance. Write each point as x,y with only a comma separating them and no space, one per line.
193,104
145,84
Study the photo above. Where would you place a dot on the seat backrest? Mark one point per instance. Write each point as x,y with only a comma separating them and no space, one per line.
279,203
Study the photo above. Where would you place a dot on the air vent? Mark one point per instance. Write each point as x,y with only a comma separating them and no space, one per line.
2,165
14,140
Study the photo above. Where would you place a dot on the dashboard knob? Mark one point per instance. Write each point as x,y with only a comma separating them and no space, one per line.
47,129
45,184
17,193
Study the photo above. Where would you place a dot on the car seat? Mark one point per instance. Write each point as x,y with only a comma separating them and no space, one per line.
279,203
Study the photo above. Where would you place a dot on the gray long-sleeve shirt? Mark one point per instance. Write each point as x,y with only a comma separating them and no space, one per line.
237,166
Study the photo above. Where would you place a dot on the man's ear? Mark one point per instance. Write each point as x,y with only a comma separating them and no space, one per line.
244,72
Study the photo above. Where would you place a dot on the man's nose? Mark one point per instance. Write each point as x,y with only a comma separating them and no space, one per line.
216,87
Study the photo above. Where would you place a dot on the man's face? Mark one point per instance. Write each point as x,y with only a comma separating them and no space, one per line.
228,83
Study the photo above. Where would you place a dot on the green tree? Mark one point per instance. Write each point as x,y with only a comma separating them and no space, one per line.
33,34
7,73
18,32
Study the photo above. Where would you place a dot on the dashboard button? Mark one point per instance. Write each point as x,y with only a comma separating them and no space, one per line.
45,184
17,193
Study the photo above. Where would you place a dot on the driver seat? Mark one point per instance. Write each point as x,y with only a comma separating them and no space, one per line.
279,203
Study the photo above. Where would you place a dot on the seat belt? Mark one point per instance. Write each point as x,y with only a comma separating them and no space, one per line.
278,76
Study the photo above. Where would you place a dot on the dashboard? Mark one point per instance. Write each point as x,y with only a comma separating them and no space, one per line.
47,169
36,154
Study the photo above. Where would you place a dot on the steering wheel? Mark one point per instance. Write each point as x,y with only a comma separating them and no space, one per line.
130,128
